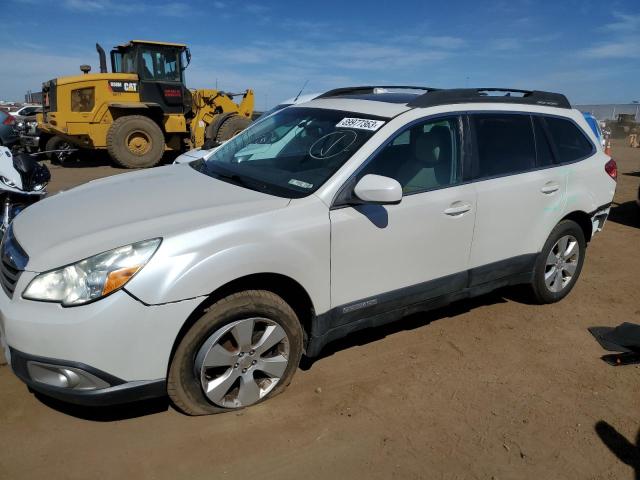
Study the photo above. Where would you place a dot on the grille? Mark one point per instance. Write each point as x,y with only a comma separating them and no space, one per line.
12,262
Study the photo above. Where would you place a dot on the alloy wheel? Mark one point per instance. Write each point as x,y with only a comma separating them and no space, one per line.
562,263
242,362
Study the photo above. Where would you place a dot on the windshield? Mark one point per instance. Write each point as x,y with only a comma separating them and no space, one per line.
275,109
292,152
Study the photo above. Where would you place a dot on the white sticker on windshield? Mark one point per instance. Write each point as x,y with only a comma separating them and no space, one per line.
300,183
360,123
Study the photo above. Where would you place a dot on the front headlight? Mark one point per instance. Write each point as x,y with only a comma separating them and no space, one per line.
93,277
8,182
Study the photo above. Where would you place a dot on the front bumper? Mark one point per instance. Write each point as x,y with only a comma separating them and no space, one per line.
118,334
113,391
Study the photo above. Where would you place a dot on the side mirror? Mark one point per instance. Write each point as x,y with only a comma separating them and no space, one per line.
378,190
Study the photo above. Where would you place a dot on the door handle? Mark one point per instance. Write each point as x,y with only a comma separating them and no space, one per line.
549,188
457,208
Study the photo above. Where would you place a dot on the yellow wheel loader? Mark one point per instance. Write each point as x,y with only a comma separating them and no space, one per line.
141,109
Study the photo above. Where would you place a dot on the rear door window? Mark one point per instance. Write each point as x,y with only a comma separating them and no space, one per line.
505,144
570,142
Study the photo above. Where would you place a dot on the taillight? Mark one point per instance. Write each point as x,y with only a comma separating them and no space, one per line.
612,169
9,120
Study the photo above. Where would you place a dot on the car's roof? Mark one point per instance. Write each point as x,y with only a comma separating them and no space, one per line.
366,107
387,97
391,101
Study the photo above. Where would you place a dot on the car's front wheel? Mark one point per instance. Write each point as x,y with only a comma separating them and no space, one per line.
244,349
560,263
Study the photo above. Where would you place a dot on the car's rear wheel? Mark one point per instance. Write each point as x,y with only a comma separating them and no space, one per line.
560,263
244,349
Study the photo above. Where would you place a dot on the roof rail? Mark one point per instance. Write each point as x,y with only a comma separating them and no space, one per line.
482,95
338,92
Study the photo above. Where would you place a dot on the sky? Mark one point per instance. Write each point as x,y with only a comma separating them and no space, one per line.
588,50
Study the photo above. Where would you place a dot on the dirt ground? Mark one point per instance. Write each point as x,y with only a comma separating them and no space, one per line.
492,388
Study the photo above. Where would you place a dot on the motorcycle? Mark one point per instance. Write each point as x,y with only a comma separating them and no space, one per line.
23,182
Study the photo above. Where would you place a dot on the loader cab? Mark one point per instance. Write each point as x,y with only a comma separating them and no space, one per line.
160,69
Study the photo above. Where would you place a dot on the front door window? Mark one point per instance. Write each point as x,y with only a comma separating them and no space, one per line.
424,157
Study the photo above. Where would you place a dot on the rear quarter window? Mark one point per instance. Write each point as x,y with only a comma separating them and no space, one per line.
570,141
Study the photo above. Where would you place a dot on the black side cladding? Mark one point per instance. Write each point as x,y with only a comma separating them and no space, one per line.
482,95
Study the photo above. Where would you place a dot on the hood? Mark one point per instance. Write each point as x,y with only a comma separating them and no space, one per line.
127,208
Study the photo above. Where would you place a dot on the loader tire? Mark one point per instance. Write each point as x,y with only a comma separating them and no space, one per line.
135,141
231,127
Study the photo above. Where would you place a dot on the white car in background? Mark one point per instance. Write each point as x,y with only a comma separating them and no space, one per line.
198,153
26,111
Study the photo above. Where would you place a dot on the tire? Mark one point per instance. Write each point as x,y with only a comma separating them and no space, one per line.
561,284
231,127
58,143
135,141
211,131
187,373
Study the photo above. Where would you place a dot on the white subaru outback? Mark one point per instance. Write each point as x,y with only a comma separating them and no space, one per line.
346,212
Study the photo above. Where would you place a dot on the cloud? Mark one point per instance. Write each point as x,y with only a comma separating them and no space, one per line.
278,70
87,5
505,44
445,42
256,8
30,68
624,23
617,49
624,41
173,9
115,7
362,55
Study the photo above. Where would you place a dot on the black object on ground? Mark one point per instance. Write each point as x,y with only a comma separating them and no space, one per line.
624,338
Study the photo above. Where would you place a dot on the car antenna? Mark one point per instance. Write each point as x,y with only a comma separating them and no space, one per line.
300,92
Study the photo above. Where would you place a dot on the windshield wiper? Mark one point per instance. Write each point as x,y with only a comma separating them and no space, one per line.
235,178
241,181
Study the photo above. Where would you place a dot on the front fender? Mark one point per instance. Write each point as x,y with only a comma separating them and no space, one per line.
294,242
